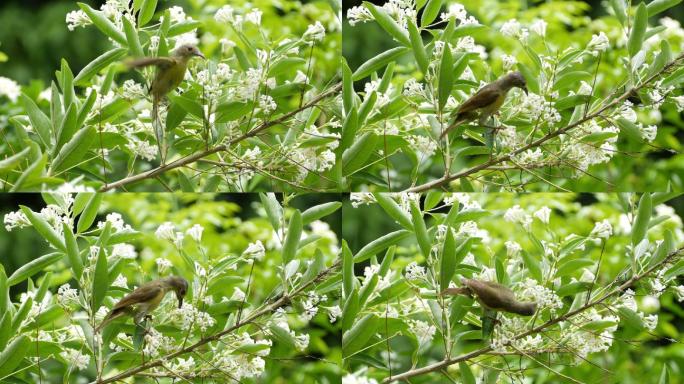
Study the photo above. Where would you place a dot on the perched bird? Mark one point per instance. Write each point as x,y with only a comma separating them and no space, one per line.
146,299
170,73
493,296
486,101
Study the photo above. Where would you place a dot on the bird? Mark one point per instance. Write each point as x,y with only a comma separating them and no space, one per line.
486,101
493,296
170,73
146,299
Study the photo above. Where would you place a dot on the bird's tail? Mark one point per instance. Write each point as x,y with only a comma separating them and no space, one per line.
459,120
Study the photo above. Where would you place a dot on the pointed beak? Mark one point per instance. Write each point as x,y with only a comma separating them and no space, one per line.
524,90
199,54
180,300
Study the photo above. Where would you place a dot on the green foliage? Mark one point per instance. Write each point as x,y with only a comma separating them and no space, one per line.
230,253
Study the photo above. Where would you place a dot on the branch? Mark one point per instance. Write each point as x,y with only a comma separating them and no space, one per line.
500,159
222,147
486,350
280,302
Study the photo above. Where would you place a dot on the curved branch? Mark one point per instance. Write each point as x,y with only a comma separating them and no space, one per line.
445,363
200,155
270,308
448,178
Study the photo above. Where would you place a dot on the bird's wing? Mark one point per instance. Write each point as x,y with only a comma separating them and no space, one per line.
494,295
481,98
145,292
159,62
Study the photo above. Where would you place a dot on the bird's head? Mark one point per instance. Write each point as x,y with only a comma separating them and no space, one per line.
187,51
178,285
516,79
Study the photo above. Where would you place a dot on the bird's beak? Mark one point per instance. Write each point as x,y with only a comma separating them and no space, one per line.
180,300
199,54
524,90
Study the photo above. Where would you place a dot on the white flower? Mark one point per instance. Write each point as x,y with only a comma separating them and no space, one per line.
598,43
133,90
679,292
508,61
512,248
358,14
254,17
76,19
357,379
602,229
163,265
543,214
124,251
422,330
415,272
116,222
183,366
121,281
587,276
512,28
544,297
314,32
177,14
255,250
422,145
188,316
16,220
225,14
195,232
412,88
9,88
67,296
166,231
267,104
648,133
679,102
516,214
334,313
539,27
75,358
238,295
650,322
361,198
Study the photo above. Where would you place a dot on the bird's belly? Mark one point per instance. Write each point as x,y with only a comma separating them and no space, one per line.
493,107
149,306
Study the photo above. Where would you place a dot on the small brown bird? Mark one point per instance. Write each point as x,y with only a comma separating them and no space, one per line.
493,296
170,73
146,298
486,101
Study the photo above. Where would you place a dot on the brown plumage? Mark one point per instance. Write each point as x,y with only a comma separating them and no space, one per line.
486,101
170,73
146,298
494,296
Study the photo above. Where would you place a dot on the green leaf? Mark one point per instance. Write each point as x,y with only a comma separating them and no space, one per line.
664,57
40,122
664,375
573,266
420,230
387,203
354,157
12,356
636,37
418,47
232,111
378,62
388,24
132,38
183,27
110,111
86,107
532,264
13,161
347,270
630,318
30,174
430,12
643,216
274,211
571,79
448,262
446,79
32,267
350,309
283,336
72,251
67,128
190,105
4,293
294,233
100,63
89,212
73,152
146,12
67,83
657,6
380,244
360,334
349,129
466,373
347,87
43,228
104,24
101,278
663,250
319,211
620,10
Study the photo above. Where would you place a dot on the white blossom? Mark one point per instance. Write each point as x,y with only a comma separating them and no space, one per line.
76,19
163,265
598,43
195,232
415,272
314,32
539,27
602,229
543,214
75,358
